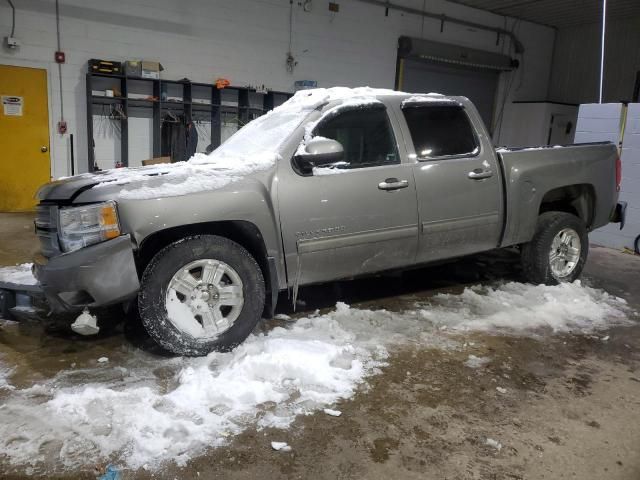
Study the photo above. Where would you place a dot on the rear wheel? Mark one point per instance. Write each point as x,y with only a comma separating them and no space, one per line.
201,294
558,250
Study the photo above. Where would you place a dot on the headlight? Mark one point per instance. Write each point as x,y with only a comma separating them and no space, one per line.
86,225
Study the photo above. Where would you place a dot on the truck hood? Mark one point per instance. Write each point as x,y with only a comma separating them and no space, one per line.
156,181
65,189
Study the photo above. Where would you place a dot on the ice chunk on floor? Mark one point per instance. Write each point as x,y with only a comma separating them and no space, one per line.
476,362
281,446
5,373
19,274
333,413
493,444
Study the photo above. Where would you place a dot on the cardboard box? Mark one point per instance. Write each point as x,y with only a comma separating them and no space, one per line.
133,68
151,69
156,161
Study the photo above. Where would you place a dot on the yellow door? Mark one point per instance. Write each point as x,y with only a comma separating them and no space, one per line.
24,136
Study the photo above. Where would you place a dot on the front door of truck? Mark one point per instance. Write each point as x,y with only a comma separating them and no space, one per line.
457,180
356,219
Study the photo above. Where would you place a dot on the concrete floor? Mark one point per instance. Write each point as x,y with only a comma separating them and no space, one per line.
572,408
17,241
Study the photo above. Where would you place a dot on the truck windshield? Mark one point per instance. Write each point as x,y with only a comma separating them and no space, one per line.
263,135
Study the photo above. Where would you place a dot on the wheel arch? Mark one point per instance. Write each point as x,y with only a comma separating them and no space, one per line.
578,199
242,232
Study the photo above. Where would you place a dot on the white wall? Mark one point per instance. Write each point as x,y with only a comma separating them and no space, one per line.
604,122
576,62
528,124
246,41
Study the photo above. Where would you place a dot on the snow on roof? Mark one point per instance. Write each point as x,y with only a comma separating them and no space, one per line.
316,97
428,98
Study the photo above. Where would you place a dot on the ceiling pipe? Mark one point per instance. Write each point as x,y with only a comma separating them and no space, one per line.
517,44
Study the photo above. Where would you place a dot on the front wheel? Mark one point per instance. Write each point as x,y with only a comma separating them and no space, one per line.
558,250
200,294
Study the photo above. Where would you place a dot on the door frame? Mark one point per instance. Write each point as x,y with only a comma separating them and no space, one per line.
14,62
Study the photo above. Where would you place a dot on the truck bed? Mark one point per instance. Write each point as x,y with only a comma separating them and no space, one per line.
534,175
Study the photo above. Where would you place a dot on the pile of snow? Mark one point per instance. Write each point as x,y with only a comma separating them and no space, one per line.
19,274
267,381
134,418
522,308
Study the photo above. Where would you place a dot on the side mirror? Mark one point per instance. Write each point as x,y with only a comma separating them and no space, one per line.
318,152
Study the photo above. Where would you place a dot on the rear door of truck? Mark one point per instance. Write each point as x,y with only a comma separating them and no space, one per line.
458,179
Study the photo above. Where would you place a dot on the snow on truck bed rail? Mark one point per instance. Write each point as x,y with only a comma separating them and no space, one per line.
254,148
527,149
144,410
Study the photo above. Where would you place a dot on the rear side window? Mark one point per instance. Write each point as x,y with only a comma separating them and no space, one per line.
439,131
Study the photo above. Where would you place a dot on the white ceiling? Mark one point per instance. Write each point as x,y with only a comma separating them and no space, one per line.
558,13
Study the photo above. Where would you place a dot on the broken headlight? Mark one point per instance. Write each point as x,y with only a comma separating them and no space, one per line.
83,226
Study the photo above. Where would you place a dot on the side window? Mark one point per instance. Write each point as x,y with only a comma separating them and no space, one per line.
365,134
439,131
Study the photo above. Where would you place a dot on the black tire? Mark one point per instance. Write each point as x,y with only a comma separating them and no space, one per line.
535,254
161,269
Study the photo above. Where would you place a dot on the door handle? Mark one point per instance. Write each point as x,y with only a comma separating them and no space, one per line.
44,149
393,184
479,174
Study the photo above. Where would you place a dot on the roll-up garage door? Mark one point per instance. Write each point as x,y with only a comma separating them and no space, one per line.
426,66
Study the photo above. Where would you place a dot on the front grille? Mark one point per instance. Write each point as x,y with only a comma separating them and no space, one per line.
47,229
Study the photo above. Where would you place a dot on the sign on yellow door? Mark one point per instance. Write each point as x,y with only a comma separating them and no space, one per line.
24,136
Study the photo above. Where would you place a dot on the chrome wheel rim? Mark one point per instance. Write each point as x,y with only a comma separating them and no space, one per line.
204,298
565,253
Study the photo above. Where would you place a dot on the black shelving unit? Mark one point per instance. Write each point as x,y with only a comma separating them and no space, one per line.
197,101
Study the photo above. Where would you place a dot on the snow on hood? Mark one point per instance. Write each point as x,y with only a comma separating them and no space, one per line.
254,148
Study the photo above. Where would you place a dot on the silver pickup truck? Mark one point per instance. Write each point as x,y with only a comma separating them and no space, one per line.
333,184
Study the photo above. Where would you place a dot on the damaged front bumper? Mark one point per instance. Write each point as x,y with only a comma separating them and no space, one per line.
96,276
